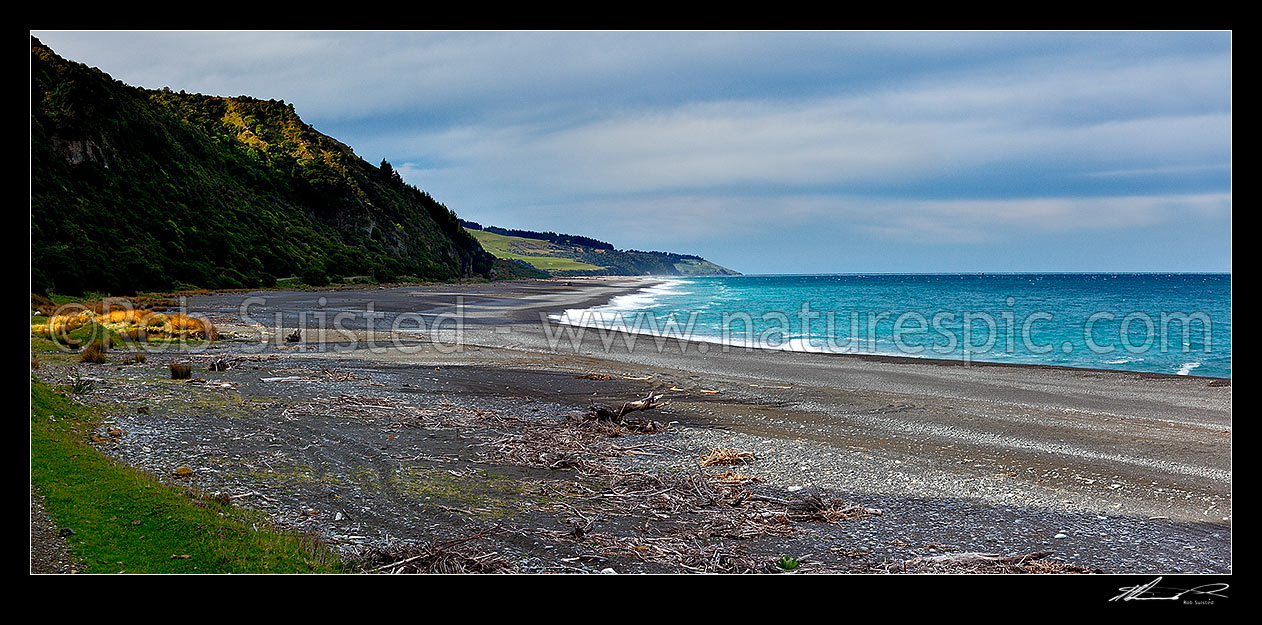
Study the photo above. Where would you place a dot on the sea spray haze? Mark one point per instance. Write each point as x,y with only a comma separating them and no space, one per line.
1161,323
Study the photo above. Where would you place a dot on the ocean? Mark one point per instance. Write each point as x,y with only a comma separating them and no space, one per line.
1176,323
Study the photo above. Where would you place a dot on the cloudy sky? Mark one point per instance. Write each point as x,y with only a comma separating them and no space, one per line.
769,152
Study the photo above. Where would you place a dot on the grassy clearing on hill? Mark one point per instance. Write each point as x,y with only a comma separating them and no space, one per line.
126,520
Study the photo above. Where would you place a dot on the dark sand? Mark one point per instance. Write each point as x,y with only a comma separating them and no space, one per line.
1165,439
1116,471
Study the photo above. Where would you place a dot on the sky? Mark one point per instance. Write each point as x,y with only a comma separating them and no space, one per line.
769,152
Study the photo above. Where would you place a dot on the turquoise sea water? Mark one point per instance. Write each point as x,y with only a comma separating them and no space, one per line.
1164,323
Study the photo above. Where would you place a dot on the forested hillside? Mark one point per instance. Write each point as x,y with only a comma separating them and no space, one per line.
135,189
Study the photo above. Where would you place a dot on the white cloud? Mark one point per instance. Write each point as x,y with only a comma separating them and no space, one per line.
691,137
1142,114
802,144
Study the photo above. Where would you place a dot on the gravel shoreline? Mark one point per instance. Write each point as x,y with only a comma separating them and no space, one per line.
931,446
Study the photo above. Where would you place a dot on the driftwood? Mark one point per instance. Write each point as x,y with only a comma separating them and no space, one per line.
294,336
974,562
813,508
810,503
973,558
734,477
559,460
431,558
601,412
605,413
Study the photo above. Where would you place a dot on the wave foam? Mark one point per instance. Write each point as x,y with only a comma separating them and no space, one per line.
1122,361
608,314
1187,368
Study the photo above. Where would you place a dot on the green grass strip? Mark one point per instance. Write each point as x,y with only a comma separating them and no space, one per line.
126,520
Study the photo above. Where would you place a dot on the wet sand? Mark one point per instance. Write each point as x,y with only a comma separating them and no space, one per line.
1086,462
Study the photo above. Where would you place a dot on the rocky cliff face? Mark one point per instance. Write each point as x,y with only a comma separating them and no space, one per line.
79,151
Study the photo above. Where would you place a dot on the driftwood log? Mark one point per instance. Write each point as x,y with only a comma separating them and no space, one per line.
812,507
294,336
602,412
605,413
810,503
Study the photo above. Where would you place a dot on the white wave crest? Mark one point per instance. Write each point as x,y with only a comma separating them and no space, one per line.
1187,368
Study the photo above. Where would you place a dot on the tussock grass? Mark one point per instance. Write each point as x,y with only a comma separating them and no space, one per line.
97,303
725,456
181,371
118,321
94,353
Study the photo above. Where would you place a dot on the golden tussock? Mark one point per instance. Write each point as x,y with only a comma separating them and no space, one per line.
724,455
130,322
94,353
